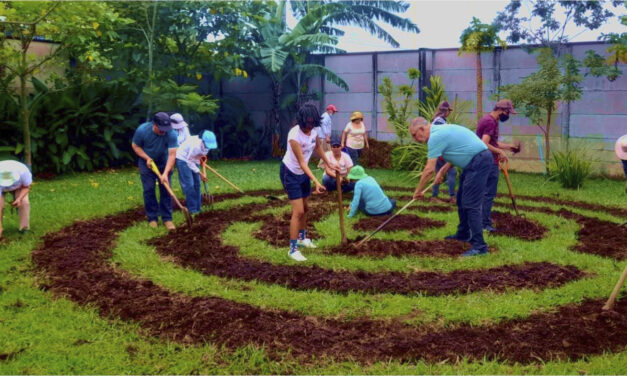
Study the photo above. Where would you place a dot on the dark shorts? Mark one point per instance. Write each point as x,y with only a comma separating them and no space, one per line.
296,186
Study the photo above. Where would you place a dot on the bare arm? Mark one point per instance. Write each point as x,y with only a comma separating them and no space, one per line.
343,138
439,177
141,153
20,195
427,173
486,140
298,153
366,138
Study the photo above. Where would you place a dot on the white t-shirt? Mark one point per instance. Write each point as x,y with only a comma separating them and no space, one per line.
355,136
344,163
307,145
19,172
190,151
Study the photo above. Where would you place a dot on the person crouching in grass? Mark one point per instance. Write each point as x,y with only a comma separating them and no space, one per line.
296,176
340,161
191,153
368,196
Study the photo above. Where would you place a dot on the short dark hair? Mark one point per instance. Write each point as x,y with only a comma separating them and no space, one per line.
308,110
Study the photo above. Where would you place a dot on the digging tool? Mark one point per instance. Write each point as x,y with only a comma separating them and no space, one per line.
207,195
610,302
188,217
222,177
340,208
504,166
392,217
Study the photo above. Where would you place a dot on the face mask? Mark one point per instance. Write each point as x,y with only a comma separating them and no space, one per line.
503,117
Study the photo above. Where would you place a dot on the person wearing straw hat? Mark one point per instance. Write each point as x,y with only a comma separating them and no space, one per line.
188,157
368,196
15,177
355,136
338,161
181,128
444,110
458,146
620,148
155,141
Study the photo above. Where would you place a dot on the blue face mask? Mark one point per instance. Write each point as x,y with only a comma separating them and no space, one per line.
503,117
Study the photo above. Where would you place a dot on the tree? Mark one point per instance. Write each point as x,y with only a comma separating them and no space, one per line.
399,104
78,30
550,32
608,66
476,39
537,95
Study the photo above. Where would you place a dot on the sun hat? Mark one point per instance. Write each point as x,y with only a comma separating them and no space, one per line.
8,178
505,104
162,121
618,147
177,121
357,173
209,138
332,108
357,115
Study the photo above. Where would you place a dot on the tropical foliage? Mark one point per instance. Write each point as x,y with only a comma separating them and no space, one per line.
399,103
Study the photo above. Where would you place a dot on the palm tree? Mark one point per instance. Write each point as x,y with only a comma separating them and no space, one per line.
476,39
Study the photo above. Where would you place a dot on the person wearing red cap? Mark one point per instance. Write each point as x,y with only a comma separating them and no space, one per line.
326,127
488,132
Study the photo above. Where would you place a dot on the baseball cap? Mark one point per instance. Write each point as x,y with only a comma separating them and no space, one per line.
505,104
177,122
162,121
332,108
209,138
335,141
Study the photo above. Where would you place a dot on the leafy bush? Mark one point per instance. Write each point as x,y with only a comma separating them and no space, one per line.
571,167
400,110
411,157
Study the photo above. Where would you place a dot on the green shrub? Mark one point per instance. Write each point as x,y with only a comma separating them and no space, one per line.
570,167
411,157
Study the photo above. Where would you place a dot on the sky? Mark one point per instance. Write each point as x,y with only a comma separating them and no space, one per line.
442,22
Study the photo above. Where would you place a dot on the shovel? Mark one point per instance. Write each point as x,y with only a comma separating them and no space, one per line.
154,169
504,166
392,217
221,177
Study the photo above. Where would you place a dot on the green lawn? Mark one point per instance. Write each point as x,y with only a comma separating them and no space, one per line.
46,335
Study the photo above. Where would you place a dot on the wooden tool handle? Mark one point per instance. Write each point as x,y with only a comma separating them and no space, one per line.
338,179
610,302
222,177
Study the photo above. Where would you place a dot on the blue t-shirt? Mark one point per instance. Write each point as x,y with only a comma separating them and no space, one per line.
456,144
369,194
154,145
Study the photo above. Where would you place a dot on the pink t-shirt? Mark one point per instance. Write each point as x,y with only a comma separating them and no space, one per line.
343,164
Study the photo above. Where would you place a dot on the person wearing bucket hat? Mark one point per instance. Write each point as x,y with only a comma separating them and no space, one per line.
620,148
488,132
461,147
155,141
338,160
444,110
355,136
296,176
180,126
326,127
15,177
368,196
189,156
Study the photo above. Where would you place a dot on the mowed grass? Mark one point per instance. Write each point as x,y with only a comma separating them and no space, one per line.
43,334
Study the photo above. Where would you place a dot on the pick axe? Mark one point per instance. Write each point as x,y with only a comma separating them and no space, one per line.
188,217
504,165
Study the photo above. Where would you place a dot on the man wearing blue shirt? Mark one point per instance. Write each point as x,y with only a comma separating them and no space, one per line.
155,141
460,147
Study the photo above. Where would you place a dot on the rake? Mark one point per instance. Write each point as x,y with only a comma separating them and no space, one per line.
188,217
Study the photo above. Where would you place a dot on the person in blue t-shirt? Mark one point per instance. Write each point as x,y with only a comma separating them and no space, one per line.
155,141
460,147
368,196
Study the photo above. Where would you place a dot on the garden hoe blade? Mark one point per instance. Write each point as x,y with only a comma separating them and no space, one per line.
188,217
610,302
509,186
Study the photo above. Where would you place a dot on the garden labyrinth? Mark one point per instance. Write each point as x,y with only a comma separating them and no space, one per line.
404,296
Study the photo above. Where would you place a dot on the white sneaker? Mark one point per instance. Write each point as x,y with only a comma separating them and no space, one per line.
307,243
296,255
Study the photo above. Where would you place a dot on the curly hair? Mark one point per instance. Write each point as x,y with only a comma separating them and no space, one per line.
308,111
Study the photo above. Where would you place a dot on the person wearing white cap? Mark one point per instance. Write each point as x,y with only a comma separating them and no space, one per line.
15,177
181,128
188,156
620,148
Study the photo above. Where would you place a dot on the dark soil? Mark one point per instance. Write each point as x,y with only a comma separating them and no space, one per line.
383,248
75,261
378,155
401,222
507,224
619,212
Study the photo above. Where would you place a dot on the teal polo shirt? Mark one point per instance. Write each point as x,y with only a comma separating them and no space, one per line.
154,145
455,143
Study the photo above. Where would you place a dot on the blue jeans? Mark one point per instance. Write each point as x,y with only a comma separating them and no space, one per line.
472,190
153,208
331,184
625,167
451,177
354,154
362,207
190,183
490,194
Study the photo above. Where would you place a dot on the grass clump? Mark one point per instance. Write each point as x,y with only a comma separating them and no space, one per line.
571,167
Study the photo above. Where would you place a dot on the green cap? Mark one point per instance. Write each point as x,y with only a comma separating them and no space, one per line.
357,173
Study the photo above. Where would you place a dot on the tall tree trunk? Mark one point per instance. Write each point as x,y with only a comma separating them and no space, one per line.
547,138
479,87
25,121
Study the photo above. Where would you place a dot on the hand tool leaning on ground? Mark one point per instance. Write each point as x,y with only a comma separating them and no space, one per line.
340,208
392,217
205,165
504,165
207,196
188,217
610,302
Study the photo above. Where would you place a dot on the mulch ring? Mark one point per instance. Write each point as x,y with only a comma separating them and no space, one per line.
75,265
382,248
618,212
507,224
401,222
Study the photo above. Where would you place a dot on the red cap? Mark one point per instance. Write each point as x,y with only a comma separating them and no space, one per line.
332,108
